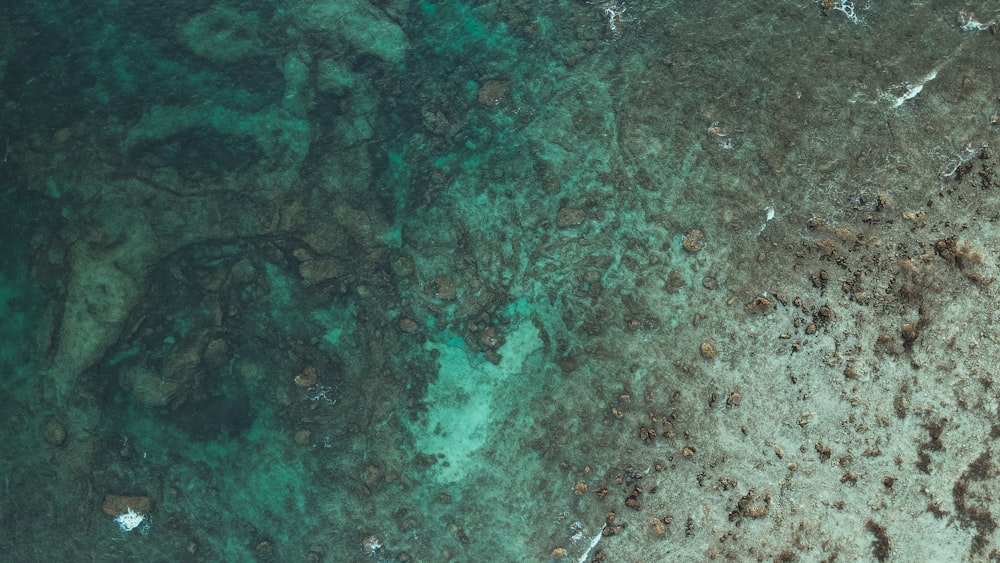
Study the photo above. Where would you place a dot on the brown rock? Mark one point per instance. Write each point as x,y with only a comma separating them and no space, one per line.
373,475
319,270
492,338
115,505
55,433
303,437
694,240
570,217
707,350
408,325
760,305
403,266
307,377
445,288
492,93
216,352
647,434
659,527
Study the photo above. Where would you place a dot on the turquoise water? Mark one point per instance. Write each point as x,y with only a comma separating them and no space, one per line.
498,281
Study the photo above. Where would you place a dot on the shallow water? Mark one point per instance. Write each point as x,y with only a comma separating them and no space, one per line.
508,281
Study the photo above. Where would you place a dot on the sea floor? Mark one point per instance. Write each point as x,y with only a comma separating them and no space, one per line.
500,281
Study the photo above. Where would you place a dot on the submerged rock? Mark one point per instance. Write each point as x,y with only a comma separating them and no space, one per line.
55,433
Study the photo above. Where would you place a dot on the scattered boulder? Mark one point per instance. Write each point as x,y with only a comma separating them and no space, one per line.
55,433
570,217
115,505
492,93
